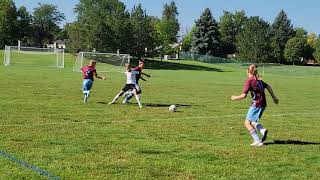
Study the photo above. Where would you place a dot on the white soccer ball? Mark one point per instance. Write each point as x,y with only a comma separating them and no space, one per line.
173,108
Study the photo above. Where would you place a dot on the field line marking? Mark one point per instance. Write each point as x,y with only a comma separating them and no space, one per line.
156,119
29,166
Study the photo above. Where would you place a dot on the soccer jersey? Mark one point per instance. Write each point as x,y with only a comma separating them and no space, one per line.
256,87
138,76
131,77
88,72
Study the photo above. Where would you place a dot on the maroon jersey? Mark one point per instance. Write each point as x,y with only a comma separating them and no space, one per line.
88,72
138,76
256,87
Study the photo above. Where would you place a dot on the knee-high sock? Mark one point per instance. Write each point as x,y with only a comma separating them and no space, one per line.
254,135
138,100
115,98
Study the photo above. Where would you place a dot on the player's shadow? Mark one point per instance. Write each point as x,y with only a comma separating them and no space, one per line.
294,142
165,105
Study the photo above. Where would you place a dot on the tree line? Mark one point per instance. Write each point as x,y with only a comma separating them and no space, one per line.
107,26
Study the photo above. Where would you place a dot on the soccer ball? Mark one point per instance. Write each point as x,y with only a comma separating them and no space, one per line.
173,108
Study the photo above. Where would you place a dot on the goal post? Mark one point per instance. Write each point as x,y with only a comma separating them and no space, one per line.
32,56
106,62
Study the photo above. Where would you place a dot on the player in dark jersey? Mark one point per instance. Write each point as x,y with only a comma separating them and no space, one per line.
256,87
129,86
139,68
88,73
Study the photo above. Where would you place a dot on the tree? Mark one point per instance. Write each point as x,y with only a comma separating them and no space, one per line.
316,53
187,40
294,49
24,24
168,27
141,30
230,26
253,41
206,39
281,31
104,25
8,23
46,19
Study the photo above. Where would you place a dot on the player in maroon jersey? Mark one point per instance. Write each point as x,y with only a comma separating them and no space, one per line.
256,86
88,73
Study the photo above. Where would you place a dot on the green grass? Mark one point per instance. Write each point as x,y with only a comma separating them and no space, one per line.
45,123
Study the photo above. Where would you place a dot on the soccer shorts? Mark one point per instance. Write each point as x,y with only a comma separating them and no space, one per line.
87,84
254,113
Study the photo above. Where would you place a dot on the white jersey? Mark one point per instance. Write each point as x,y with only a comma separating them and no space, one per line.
131,77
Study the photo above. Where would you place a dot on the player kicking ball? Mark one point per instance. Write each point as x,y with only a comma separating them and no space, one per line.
88,73
130,85
139,68
256,86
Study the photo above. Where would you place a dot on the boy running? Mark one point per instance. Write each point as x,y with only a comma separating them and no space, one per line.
88,72
130,85
256,86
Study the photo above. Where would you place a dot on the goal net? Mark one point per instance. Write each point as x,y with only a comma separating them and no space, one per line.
106,62
31,56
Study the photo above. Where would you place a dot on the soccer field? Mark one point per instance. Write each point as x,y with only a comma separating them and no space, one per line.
45,123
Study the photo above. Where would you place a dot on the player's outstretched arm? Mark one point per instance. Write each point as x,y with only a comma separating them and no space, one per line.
148,75
274,97
100,77
241,96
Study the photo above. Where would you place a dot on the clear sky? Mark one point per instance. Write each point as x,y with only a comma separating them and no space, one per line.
303,13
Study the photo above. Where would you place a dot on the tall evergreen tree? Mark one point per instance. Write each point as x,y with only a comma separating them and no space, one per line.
253,41
168,27
230,26
8,23
206,38
281,31
142,31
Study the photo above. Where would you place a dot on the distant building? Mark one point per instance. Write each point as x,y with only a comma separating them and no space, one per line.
60,44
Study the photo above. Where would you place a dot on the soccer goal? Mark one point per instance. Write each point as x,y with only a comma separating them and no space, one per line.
31,56
106,62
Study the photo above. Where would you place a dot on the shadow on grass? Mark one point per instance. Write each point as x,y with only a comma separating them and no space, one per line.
292,142
165,105
165,65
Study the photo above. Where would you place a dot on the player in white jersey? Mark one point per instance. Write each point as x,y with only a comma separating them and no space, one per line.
130,85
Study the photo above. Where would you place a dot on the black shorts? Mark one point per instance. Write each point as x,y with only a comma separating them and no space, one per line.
128,87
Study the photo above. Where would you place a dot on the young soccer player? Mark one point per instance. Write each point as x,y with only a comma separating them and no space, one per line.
139,68
256,86
130,85
88,73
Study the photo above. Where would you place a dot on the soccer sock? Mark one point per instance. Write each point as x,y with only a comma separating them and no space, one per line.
138,100
129,97
260,128
115,98
254,135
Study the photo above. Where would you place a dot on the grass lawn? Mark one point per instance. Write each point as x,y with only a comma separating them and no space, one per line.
45,123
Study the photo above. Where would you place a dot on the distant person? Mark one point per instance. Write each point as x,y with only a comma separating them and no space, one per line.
138,68
88,73
256,86
130,85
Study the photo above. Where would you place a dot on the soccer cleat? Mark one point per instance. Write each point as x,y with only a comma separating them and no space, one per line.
264,135
140,106
125,102
111,103
256,144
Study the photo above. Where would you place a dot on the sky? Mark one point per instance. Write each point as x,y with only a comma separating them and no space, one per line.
302,13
